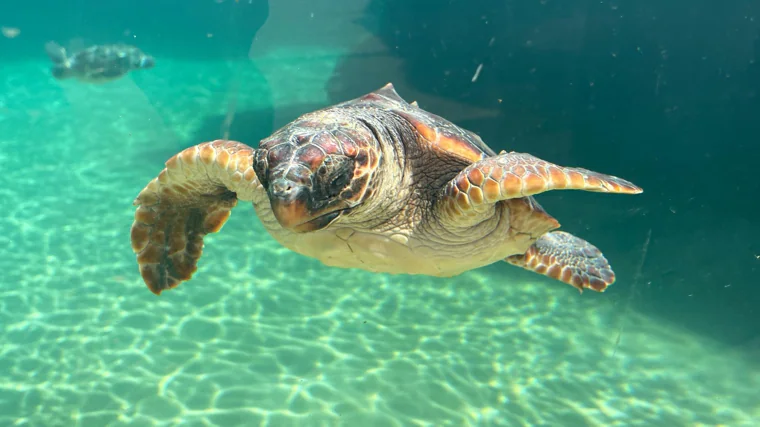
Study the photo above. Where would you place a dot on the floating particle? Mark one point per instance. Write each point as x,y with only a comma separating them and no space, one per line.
477,73
10,32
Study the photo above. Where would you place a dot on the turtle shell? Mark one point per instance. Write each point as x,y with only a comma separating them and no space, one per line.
436,133
108,62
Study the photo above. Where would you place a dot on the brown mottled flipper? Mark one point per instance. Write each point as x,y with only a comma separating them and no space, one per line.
190,198
569,259
511,175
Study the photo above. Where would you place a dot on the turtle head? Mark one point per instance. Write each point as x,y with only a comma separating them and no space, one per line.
316,171
145,62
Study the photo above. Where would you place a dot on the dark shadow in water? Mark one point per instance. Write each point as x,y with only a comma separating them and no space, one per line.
666,99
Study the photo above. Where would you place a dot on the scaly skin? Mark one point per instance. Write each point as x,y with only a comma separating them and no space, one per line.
470,198
569,259
511,175
190,198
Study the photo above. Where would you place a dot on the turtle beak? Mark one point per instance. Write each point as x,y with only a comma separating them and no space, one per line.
289,202
292,207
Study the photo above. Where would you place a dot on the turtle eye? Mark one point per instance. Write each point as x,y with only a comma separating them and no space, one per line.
338,183
260,166
334,174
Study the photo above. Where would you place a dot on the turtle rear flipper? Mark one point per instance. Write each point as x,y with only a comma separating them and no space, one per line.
569,259
471,196
190,198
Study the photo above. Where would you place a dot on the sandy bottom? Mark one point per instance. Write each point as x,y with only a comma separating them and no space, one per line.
264,337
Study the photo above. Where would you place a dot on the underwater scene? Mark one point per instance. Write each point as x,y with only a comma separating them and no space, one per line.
356,213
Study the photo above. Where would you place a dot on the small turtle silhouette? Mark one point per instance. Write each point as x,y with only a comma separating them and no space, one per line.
97,64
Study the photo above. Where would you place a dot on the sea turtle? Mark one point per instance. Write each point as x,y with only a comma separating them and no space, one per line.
97,64
374,183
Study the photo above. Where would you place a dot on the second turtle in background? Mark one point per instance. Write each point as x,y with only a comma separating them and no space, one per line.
97,64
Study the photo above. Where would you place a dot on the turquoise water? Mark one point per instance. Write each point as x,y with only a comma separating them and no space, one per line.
264,337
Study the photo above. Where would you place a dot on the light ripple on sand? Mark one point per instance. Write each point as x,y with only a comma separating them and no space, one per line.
262,336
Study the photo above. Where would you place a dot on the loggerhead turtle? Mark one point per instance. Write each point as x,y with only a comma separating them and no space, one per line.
97,64
373,183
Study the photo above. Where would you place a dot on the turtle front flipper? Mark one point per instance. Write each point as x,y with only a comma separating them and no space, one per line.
56,53
61,68
470,195
190,198
569,259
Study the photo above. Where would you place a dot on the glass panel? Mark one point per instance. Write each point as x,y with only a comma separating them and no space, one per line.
353,293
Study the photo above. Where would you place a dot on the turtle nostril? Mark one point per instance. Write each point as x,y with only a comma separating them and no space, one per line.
284,188
281,187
